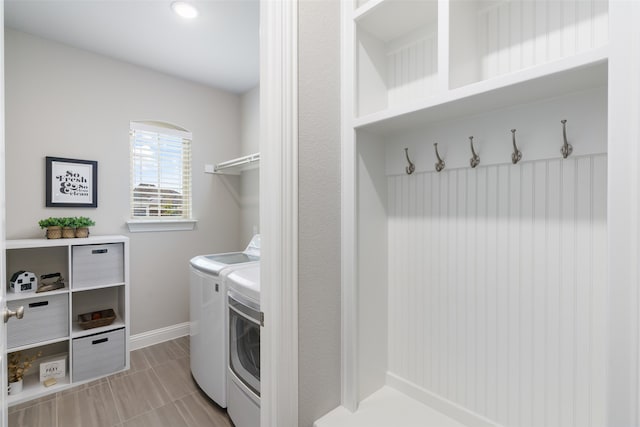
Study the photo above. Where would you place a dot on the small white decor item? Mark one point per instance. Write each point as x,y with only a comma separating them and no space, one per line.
53,367
23,281
15,387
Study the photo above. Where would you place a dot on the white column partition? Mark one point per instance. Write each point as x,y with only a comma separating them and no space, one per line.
278,207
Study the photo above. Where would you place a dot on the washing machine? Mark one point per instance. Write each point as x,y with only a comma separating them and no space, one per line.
208,315
243,375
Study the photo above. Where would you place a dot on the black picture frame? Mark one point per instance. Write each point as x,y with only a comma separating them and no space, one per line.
71,183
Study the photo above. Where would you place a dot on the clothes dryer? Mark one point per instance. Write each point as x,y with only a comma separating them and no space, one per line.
245,320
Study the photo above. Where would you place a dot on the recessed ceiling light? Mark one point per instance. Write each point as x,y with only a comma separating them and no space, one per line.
184,9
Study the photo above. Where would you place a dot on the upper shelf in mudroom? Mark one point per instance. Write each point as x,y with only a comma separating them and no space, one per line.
462,56
389,20
525,86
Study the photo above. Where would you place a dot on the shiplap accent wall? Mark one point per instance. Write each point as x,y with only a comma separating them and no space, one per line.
497,288
412,68
516,34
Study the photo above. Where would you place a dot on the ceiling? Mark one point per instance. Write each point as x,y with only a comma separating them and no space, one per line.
219,48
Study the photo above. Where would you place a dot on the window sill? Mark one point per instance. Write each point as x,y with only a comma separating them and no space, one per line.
149,225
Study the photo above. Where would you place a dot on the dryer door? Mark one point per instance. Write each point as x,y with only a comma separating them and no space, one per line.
244,344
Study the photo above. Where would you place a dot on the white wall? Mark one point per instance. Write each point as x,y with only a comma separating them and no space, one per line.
250,180
66,102
250,116
319,209
372,275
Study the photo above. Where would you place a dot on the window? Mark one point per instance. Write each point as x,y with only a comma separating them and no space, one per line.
160,172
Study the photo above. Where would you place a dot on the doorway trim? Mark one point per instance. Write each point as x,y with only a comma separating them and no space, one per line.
279,211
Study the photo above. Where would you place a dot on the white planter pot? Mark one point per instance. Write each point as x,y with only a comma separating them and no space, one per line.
15,388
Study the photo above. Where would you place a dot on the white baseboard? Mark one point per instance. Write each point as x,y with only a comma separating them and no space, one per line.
439,403
145,339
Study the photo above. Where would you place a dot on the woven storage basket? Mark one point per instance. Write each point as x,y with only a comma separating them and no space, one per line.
82,232
54,232
86,320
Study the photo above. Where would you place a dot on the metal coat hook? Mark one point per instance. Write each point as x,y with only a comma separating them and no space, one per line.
411,167
566,149
516,156
475,159
440,162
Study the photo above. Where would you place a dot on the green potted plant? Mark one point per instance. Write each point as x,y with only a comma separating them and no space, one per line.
82,224
68,230
18,365
53,226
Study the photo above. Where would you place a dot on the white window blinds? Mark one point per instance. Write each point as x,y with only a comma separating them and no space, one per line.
160,171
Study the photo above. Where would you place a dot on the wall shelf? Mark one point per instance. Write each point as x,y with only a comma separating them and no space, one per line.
21,296
37,344
389,20
410,53
238,165
564,76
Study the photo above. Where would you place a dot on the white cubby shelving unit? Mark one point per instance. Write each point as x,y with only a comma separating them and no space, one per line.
96,276
477,294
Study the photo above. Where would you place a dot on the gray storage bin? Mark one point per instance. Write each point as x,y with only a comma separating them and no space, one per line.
97,265
45,318
98,355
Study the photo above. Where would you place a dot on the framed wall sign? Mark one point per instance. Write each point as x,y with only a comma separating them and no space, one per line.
71,183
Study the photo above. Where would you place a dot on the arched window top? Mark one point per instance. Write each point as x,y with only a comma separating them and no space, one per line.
160,127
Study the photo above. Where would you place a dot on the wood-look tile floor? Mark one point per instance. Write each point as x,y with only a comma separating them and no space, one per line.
157,391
